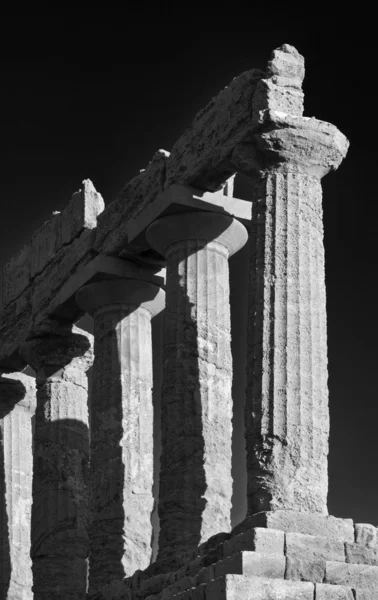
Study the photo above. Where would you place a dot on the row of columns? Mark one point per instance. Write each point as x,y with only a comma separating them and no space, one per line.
286,398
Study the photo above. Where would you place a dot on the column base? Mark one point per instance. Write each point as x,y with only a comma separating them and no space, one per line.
268,564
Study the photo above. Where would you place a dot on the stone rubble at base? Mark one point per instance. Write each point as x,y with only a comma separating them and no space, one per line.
165,242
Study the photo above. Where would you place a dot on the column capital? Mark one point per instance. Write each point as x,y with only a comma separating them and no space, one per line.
127,292
16,388
203,226
70,347
286,143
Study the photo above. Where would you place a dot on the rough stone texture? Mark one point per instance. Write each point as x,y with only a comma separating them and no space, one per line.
17,406
300,569
59,534
195,473
311,547
33,279
257,539
356,576
62,228
282,89
111,234
201,156
334,592
121,427
252,563
286,411
365,548
300,522
234,587
365,594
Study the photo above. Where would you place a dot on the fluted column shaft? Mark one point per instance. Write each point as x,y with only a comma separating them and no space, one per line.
121,427
287,419
61,445
196,407
17,406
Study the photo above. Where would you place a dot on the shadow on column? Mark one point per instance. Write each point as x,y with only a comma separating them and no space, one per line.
60,517
182,473
11,392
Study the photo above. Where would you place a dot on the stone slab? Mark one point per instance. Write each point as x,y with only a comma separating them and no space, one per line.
139,192
237,587
300,569
300,522
177,198
200,157
361,554
324,591
356,576
366,535
108,267
252,563
366,594
60,230
197,593
267,541
310,547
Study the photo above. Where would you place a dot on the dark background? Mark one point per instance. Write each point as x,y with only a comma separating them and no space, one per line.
96,97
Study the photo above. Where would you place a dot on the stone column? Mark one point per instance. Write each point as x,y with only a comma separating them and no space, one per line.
286,415
61,445
17,406
196,412
121,426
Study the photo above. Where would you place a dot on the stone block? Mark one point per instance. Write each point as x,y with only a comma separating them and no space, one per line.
258,539
252,563
300,522
154,585
47,285
112,229
300,569
81,212
46,242
309,547
366,594
324,591
361,554
237,587
197,593
366,535
179,586
200,157
206,574
355,576
16,275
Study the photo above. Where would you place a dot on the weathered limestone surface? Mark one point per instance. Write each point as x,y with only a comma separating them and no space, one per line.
300,522
195,476
335,592
59,533
121,426
364,577
138,193
62,228
201,156
33,279
234,587
286,411
17,406
365,548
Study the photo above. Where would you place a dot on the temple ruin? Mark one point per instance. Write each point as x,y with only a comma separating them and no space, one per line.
76,473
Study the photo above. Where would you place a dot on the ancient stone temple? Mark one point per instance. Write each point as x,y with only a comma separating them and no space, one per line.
76,472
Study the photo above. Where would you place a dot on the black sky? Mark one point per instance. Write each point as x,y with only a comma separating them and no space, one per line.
95,99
